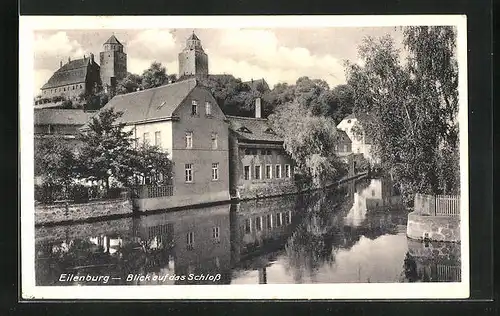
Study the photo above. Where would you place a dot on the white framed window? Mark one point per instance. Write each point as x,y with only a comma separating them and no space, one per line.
287,171
289,218
258,172
145,138
189,139
258,223
246,171
188,172
194,107
215,171
215,140
208,108
269,172
157,138
279,219
269,218
216,233
277,172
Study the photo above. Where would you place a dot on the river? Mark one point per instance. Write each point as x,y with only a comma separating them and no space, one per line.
352,234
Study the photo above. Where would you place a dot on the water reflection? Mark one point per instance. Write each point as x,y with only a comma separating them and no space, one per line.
355,233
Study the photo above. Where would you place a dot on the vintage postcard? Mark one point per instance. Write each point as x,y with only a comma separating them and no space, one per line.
255,157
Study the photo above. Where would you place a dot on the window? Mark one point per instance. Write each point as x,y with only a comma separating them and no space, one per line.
268,152
263,152
246,171
373,192
279,219
215,171
247,152
257,173
287,171
215,138
190,240
277,172
194,107
158,138
208,108
258,223
289,217
254,152
50,129
269,218
189,139
349,121
269,172
216,233
248,226
145,138
188,172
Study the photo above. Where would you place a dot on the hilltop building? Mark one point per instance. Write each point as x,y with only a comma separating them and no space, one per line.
83,75
193,61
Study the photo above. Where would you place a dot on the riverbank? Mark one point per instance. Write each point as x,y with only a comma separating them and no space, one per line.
61,214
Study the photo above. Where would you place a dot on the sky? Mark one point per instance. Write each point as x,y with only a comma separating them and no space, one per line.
275,54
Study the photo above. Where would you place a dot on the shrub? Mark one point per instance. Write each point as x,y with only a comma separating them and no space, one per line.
80,194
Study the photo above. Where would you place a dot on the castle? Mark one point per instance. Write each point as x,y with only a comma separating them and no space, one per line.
80,76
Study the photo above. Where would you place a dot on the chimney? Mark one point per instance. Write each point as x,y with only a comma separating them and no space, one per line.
69,59
91,57
257,108
60,63
84,56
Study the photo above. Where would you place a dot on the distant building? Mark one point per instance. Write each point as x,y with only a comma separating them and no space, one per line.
257,158
258,85
113,62
72,79
184,119
59,123
83,75
361,143
193,61
343,147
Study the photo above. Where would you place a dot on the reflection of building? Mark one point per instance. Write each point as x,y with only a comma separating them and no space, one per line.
379,194
257,158
199,240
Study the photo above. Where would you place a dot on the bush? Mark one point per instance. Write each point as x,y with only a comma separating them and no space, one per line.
114,193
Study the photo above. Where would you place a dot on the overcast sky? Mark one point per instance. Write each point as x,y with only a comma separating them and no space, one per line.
278,55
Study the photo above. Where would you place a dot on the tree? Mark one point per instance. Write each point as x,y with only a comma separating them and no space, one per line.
310,141
107,149
153,164
408,110
130,83
154,76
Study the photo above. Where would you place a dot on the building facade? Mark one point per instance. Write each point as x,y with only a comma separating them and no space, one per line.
258,161
183,119
193,61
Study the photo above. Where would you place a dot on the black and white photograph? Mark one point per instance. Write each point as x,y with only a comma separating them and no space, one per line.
255,157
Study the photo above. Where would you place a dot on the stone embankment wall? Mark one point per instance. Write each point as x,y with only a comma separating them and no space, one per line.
63,213
436,228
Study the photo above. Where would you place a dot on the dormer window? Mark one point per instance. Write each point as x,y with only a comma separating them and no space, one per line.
348,121
194,107
244,130
269,131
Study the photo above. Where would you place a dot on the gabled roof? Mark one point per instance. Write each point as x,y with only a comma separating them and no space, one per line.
151,104
61,117
72,72
113,40
255,83
254,129
193,37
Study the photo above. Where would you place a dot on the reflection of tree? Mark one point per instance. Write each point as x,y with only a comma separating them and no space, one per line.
410,268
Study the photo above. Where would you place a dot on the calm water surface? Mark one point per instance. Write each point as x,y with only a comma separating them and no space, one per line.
356,233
